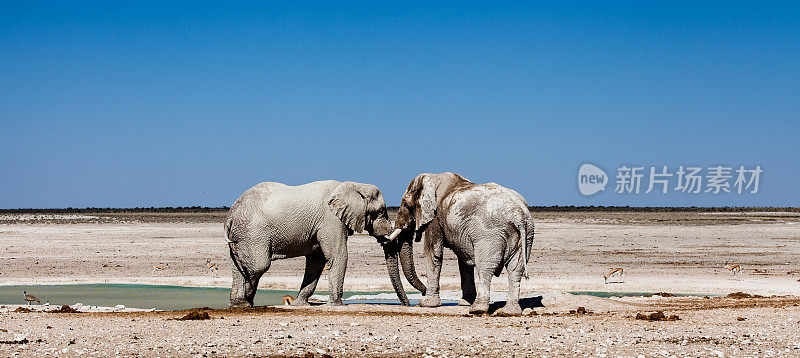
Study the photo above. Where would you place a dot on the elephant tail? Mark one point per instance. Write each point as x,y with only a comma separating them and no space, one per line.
228,224
234,257
523,240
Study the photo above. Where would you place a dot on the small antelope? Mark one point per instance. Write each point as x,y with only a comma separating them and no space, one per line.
30,298
735,269
615,271
287,300
157,268
211,266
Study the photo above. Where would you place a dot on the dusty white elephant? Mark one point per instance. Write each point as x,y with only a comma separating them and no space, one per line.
272,221
487,226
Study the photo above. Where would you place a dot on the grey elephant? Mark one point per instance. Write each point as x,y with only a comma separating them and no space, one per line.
487,226
273,221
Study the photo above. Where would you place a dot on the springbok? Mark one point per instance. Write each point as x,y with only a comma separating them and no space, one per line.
615,271
287,300
211,266
30,298
157,268
735,269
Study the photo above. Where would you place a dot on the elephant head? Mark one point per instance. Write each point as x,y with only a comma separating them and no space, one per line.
417,209
361,207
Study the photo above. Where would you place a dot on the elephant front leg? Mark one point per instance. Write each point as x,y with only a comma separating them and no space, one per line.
333,243
315,264
468,292
336,279
433,254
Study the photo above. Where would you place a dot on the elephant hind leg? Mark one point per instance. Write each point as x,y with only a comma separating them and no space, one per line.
315,264
242,289
515,268
246,271
487,260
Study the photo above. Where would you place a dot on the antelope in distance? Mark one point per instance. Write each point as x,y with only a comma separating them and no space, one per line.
734,269
615,271
159,268
287,300
212,267
30,298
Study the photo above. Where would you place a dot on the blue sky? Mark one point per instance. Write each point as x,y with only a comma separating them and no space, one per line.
151,104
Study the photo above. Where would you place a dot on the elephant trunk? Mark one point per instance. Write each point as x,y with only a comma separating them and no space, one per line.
407,261
391,251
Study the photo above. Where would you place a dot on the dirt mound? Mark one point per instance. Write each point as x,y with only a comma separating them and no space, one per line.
740,295
195,316
657,316
22,310
65,309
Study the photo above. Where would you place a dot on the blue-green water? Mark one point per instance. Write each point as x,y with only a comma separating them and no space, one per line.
179,297
139,296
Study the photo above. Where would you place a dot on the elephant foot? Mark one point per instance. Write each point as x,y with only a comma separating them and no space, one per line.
510,310
239,304
430,301
466,301
479,307
300,302
335,303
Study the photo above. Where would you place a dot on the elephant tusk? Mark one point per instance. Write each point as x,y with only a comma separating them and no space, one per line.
394,234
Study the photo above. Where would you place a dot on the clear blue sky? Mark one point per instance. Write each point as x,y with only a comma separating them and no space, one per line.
151,104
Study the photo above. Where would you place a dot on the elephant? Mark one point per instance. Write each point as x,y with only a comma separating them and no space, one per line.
487,226
272,221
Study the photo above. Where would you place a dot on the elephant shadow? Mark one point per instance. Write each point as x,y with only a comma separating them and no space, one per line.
527,302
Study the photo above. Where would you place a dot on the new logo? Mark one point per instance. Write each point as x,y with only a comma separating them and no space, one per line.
591,179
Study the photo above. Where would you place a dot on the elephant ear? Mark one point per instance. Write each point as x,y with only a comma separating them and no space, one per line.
349,205
426,207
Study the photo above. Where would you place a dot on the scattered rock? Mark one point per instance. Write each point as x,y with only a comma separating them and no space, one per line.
664,294
16,341
195,315
739,295
657,316
22,310
580,310
65,309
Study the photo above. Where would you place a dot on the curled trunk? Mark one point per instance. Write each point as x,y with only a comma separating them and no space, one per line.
407,260
391,250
